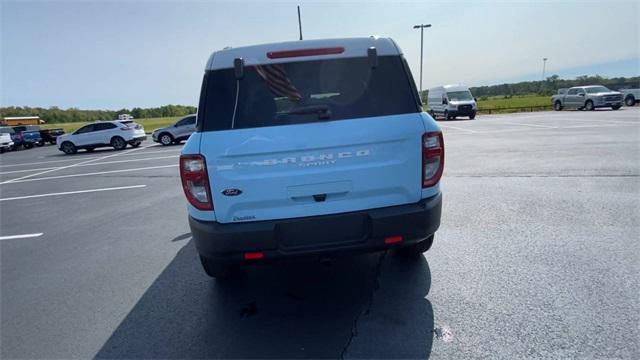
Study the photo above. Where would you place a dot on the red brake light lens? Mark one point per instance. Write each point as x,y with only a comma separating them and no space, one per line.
392,239
304,52
254,255
195,181
432,158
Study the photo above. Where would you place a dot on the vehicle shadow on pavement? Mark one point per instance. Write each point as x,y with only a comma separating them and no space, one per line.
369,306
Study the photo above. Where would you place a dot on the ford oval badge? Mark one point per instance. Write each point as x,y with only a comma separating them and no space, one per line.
231,192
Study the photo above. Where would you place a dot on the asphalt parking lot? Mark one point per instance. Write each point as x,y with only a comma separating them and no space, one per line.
537,256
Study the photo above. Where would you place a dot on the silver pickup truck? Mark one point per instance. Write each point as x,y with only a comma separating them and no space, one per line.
586,98
631,96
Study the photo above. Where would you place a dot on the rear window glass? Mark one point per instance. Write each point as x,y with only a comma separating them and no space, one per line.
303,92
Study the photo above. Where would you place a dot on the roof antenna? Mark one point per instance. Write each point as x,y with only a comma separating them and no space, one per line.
299,22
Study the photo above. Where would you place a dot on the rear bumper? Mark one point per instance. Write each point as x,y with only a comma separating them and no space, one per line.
138,139
355,232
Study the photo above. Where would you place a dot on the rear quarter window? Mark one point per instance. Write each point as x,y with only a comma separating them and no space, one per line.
304,92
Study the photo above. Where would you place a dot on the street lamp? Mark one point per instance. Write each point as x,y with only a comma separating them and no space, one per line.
421,27
544,66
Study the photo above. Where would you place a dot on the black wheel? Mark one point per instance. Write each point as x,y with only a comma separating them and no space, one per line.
118,143
219,269
68,148
630,101
1,150
589,105
616,107
446,115
135,144
433,114
472,116
90,149
27,145
417,248
166,139
557,106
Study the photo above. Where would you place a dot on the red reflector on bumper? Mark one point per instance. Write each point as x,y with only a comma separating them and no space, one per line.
253,255
392,239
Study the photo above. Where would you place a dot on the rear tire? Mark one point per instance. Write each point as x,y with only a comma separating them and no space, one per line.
616,107
417,249
166,139
27,145
589,105
557,106
472,116
68,148
219,269
118,143
630,101
446,115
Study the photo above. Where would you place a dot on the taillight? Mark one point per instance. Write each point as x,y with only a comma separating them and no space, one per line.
304,52
432,158
195,181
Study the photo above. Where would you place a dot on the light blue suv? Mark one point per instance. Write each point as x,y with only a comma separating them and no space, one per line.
310,148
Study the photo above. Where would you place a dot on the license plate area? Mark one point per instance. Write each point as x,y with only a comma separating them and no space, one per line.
322,232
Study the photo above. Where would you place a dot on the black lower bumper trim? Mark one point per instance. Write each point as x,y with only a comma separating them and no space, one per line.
355,232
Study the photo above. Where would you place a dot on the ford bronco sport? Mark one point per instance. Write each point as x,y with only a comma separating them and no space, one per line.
310,148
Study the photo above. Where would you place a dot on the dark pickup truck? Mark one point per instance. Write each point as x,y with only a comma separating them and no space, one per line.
27,136
50,135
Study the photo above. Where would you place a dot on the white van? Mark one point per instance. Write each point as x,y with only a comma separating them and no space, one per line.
450,101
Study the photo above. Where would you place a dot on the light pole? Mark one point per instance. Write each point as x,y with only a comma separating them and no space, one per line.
421,27
544,67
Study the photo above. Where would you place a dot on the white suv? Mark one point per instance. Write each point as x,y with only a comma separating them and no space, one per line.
116,134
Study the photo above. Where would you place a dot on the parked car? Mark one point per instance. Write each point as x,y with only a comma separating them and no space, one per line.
631,96
587,98
450,101
27,136
6,142
50,135
177,132
102,134
310,148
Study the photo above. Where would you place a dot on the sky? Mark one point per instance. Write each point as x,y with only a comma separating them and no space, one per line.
124,54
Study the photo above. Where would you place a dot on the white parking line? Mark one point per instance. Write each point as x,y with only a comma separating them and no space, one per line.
534,125
92,164
73,192
69,166
88,174
76,158
457,128
24,236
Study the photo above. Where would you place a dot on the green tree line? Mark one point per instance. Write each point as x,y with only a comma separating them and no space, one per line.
550,86
55,115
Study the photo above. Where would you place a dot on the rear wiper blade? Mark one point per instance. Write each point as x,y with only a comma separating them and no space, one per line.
322,111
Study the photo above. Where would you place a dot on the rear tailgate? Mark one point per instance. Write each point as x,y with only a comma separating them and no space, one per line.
314,169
